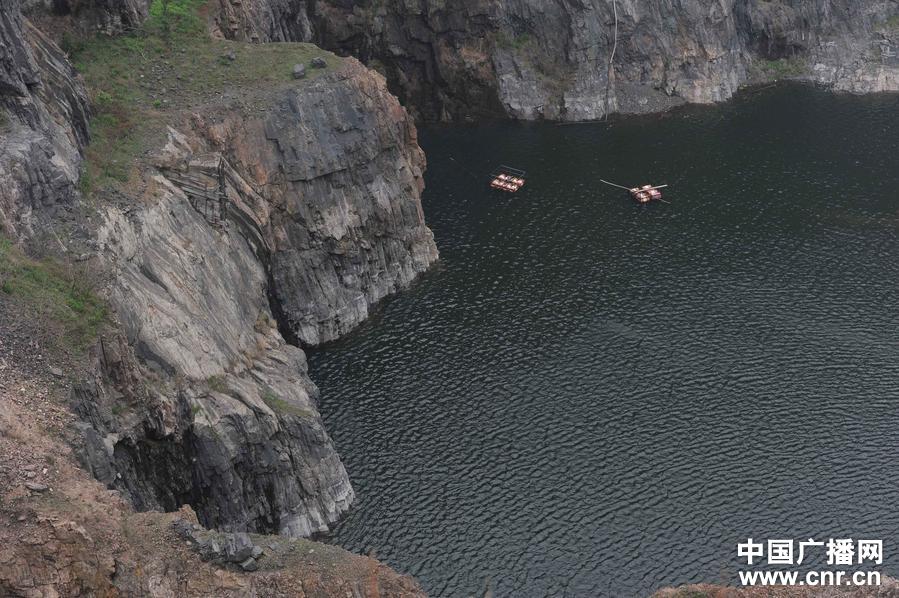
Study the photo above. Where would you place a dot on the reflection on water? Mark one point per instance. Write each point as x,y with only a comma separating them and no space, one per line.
587,397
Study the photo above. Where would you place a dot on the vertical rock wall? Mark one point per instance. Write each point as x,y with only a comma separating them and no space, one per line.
315,215
458,59
87,17
202,402
337,163
43,128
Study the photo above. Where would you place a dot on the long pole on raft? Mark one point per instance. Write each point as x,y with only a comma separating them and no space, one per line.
616,185
629,188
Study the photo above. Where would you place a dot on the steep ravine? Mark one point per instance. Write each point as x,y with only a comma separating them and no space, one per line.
532,59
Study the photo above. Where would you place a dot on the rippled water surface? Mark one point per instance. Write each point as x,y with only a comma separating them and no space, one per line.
591,398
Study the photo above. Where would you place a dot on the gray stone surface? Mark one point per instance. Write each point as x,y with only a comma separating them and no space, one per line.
203,403
455,59
337,166
221,547
43,128
249,565
198,399
201,400
107,17
261,21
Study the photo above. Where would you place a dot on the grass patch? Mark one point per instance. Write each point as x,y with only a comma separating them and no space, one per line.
171,64
55,291
783,68
892,22
175,15
218,384
281,406
518,42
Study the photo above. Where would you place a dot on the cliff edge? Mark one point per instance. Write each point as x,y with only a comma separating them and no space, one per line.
180,216
280,212
559,60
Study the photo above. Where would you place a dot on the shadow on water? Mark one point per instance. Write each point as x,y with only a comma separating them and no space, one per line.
588,397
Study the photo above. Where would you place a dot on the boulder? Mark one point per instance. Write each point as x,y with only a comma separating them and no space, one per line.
238,548
249,565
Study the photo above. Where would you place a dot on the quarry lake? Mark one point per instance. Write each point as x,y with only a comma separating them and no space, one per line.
587,397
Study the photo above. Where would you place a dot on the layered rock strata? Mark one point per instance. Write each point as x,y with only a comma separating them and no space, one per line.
532,59
293,220
43,129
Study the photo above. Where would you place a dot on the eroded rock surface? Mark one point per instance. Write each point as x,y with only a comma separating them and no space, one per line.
87,17
43,129
219,413
280,214
532,59
339,172
302,215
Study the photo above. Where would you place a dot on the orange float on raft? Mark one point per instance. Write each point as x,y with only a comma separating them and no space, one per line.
646,193
641,195
508,179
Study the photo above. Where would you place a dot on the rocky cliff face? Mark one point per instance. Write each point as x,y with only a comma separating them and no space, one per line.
336,164
580,60
202,402
283,211
302,215
65,534
87,17
848,46
43,128
273,211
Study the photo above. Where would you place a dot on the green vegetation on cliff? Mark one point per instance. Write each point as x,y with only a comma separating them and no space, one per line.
59,294
517,42
783,68
136,81
279,405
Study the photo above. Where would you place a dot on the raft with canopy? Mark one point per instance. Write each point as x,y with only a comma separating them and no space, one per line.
508,179
641,195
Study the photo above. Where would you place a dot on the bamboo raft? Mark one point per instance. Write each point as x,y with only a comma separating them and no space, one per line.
642,195
508,179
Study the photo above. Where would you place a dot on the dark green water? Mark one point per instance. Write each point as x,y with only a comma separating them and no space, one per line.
591,398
